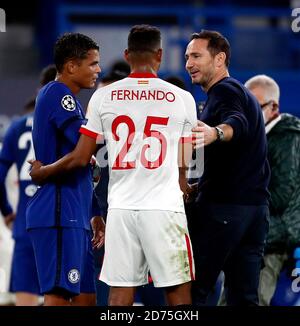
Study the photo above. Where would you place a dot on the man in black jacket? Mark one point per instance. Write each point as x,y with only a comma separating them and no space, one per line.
228,233
283,134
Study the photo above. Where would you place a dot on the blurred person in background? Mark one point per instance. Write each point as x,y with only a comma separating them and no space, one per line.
6,241
17,148
283,135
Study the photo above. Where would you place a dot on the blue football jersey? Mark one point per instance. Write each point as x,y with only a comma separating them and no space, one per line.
17,148
66,201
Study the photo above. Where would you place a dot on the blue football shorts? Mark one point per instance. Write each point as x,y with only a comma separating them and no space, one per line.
64,260
24,277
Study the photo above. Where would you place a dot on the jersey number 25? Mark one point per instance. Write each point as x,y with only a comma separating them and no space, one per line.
120,163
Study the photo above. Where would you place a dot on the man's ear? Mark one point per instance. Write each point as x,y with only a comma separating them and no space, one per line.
220,59
275,109
126,55
71,66
159,55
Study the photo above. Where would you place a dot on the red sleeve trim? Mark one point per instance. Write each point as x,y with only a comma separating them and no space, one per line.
88,133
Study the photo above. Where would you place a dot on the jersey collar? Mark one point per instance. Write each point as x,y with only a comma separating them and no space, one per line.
142,75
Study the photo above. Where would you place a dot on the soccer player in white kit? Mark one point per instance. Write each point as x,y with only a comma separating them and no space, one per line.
146,123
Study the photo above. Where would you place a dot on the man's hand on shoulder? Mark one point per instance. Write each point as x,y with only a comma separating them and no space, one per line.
203,135
37,173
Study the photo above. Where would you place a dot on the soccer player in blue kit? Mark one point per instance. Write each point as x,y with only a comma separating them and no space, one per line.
58,216
17,148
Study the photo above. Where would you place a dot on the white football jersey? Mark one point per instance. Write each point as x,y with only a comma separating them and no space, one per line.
142,119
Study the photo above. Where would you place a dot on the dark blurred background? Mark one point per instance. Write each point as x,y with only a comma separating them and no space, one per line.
259,31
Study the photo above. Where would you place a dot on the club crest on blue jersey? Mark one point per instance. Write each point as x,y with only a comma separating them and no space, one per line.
74,276
68,103
30,190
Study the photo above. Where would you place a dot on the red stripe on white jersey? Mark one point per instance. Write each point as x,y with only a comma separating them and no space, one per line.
187,139
189,250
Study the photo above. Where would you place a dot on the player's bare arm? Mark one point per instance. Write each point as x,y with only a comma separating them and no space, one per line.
79,157
184,156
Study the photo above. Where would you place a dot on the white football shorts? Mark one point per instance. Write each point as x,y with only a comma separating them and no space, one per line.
141,241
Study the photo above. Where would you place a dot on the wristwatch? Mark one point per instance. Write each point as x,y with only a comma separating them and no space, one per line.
220,134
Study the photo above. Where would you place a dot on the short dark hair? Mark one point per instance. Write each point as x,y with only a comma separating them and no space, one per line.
177,81
119,70
47,74
216,43
144,38
72,46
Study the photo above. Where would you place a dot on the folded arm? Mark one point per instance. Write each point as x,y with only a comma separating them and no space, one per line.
79,157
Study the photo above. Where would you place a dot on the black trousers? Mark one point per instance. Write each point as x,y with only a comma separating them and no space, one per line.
229,238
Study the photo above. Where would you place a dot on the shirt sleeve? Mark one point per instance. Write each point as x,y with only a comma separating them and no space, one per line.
230,110
94,127
72,131
63,105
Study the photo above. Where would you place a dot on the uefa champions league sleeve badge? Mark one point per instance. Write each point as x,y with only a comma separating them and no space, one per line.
68,103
